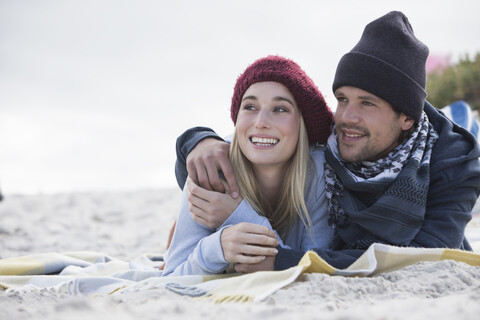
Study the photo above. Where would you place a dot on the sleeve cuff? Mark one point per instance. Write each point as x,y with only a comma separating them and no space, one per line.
212,252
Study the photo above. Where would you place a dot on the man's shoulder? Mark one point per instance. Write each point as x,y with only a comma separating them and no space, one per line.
455,144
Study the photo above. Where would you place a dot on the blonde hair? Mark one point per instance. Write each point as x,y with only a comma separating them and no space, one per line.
291,203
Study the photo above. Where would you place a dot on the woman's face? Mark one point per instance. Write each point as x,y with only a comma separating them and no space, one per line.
268,124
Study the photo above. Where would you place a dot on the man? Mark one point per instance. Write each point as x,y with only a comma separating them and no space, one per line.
397,170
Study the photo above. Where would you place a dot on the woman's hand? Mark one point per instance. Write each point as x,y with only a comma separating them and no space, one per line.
248,243
210,208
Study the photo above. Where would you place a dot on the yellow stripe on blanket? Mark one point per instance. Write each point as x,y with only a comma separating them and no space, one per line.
26,265
381,258
467,257
50,263
312,263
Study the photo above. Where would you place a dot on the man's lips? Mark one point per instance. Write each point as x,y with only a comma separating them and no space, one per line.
351,136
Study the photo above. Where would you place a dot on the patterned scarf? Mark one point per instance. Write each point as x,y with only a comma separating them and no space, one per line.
372,195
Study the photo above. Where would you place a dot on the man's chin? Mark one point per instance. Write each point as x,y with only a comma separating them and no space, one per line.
349,156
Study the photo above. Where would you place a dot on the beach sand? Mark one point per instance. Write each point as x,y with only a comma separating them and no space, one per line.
127,224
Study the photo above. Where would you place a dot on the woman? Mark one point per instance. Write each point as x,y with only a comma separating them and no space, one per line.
279,115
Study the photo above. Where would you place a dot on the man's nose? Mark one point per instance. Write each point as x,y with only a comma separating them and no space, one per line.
349,113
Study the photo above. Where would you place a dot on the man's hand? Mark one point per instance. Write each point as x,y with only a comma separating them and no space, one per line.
210,208
206,160
266,265
248,243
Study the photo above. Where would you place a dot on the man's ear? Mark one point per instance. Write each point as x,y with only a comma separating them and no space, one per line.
406,122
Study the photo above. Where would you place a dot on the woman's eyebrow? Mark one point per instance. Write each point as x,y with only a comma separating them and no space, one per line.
249,98
278,98
284,99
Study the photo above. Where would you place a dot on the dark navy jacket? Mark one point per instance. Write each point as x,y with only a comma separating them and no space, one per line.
453,191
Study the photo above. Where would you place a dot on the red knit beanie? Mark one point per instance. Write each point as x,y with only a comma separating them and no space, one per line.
317,116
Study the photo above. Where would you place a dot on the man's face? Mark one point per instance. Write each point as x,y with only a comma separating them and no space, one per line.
367,126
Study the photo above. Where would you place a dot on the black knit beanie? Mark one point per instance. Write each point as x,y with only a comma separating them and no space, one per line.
389,62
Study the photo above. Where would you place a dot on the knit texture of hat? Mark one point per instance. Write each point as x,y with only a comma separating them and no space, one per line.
317,116
389,62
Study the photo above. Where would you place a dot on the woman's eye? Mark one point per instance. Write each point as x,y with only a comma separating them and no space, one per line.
249,107
281,109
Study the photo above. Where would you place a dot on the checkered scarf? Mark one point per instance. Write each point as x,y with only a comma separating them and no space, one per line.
374,180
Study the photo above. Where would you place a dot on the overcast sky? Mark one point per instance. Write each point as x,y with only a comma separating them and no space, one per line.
94,93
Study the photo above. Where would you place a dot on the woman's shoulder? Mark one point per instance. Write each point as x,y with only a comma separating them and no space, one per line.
317,152
316,165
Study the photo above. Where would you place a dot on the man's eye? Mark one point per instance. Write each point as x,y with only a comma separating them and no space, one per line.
341,99
367,103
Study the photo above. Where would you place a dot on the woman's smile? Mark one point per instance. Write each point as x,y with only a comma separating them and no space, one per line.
264,142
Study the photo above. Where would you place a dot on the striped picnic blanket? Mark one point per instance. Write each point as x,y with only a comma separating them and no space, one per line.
92,273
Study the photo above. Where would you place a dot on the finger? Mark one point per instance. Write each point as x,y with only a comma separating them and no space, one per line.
214,177
225,186
196,211
242,267
199,192
246,235
254,250
193,191
201,216
262,240
243,259
258,240
247,267
192,171
202,177
226,167
198,215
190,188
202,221
256,229
266,265
196,205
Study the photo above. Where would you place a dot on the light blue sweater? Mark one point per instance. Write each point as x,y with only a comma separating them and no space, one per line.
196,249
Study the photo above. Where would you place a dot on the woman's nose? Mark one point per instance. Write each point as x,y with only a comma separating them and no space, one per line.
263,120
